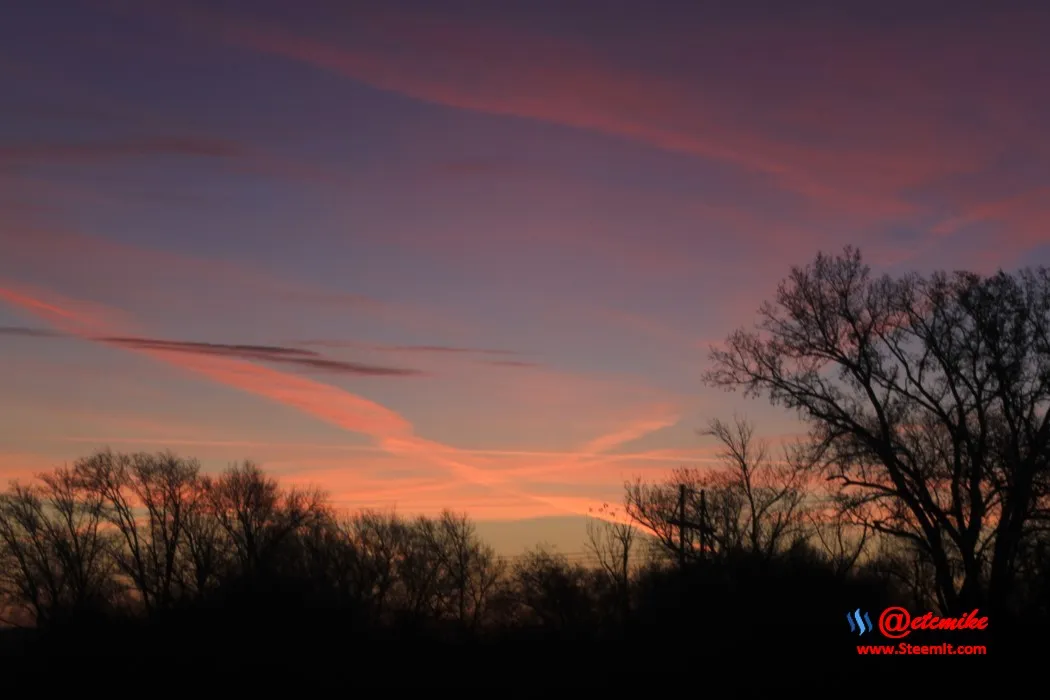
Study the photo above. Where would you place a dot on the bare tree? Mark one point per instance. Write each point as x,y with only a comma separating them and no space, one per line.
470,566
378,541
612,541
927,400
762,500
424,569
654,506
321,554
54,548
164,484
106,475
842,543
552,592
146,498
488,574
420,572
31,575
206,551
257,514
906,568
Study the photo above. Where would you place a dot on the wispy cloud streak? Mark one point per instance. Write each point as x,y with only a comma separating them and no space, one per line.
28,332
420,349
388,429
289,356
521,364
45,153
298,357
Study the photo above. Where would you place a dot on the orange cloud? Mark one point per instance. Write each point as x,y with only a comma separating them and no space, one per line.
73,316
390,431
360,476
655,456
665,418
322,401
23,466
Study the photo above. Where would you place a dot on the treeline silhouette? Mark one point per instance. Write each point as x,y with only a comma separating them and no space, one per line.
144,552
924,482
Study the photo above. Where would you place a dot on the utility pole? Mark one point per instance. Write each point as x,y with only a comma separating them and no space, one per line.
682,524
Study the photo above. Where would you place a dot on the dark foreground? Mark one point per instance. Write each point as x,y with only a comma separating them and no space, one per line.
694,659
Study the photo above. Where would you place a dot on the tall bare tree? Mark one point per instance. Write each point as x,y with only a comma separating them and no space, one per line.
377,540
612,541
54,548
206,551
147,498
420,571
471,566
927,402
654,506
257,514
842,544
552,592
761,499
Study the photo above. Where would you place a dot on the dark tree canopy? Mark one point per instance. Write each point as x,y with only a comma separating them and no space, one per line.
927,400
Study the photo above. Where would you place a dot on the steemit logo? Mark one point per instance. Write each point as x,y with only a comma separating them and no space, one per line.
857,622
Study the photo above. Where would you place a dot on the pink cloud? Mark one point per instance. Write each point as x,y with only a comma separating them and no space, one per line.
581,93
1029,206
867,147
1017,223
844,119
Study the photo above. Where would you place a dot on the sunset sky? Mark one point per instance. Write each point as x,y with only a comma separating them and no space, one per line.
471,254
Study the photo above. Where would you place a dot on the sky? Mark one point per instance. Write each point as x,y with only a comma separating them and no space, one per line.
472,254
